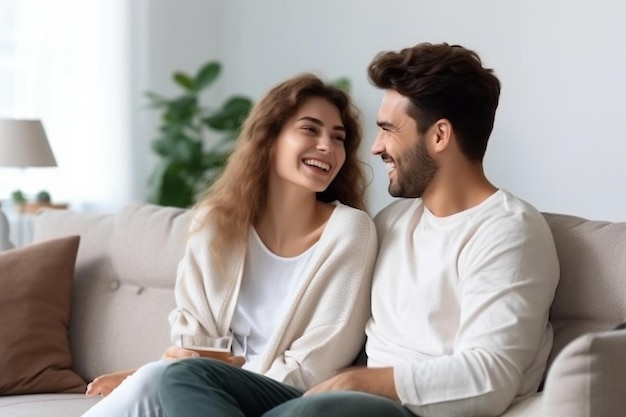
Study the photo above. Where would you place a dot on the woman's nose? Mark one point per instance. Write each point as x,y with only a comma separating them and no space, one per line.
323,143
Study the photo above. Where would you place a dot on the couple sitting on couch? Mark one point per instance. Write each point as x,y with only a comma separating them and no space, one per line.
281,255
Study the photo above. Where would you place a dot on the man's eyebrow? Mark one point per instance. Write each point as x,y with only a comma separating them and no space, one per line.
385,125
320,123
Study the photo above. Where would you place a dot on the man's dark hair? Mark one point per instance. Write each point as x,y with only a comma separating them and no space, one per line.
443,82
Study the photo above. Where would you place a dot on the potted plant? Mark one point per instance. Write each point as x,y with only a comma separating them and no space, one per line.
187,166
42,200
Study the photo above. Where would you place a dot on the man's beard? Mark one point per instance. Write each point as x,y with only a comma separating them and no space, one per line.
415,172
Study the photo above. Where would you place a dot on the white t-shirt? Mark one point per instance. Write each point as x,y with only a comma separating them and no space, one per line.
460,304
267,286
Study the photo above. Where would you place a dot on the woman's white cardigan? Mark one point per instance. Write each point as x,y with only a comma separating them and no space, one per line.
322,329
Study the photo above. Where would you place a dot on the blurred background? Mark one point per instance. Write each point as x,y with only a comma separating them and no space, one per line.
83,67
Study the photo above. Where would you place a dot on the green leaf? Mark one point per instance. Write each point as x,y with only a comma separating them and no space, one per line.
18,197
184,80
155,182
207,75
214,159
156,100
169,188
182,109
231,115
179,148
43,196
179,193
343,83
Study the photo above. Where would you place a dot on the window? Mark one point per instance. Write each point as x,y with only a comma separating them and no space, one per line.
64,61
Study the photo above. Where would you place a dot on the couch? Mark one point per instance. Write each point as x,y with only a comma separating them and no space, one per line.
123,283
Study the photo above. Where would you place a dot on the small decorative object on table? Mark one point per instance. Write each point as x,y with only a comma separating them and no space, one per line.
42,200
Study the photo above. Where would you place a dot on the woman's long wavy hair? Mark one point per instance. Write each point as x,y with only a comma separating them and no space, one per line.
237,199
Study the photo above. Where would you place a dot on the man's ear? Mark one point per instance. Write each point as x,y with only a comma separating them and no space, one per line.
441,134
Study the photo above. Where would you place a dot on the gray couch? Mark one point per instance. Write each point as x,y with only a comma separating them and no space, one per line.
123,291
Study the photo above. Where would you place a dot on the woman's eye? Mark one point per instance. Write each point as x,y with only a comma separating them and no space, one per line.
309,129
340,138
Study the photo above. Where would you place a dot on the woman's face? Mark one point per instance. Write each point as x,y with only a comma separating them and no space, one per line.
309,151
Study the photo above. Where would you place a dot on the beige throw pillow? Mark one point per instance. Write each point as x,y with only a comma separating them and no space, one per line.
35,300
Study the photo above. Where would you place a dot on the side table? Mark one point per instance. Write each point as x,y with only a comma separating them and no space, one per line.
21,221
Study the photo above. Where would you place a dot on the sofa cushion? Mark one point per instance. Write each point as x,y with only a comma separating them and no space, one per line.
123,285
590,294
46,405
35,309
93,272
530,406
587,377
148,242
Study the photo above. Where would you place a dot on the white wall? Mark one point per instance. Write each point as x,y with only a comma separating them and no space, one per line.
167,36
558,140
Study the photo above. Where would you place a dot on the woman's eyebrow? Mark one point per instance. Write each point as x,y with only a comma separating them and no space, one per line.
319,122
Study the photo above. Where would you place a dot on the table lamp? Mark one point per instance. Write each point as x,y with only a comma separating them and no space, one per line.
23,144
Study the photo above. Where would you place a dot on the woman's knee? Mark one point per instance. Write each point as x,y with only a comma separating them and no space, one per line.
143,381
146,377
192,370
136,396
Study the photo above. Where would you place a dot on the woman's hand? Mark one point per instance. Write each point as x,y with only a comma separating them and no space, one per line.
175,352
104,384
237,361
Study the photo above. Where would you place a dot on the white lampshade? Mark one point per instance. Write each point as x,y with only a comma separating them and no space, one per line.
23,143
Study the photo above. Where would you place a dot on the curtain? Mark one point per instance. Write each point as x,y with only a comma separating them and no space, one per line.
67,62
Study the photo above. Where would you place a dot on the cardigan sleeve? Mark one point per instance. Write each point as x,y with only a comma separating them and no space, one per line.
203,292
325,329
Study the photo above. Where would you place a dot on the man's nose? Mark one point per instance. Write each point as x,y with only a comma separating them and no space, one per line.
378,146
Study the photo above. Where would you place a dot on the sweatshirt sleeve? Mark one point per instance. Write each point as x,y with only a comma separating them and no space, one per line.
508,277
326,330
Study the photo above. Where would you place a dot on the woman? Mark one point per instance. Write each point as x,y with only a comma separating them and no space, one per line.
281,252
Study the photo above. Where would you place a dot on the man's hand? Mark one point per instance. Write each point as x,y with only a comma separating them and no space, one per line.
378,381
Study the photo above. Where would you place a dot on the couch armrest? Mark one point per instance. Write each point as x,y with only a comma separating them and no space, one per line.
587,378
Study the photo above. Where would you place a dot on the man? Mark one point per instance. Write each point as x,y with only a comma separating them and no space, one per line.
466,273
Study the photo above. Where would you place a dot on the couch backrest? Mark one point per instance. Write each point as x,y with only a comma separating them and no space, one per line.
123,284
591,295
126,271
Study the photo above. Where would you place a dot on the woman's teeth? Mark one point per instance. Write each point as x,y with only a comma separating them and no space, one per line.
319,164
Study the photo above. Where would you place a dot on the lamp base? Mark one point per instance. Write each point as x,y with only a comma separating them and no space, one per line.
5,243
